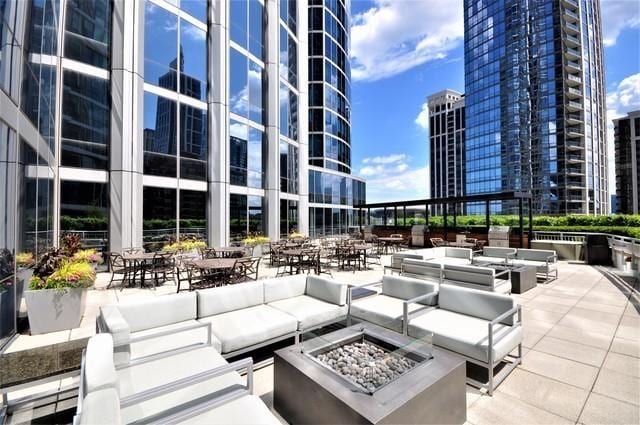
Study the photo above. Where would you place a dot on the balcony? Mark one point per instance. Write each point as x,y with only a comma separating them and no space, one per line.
575,144
571,28
573,119
575,158
571,40
574,171
573,80
571,3
574,131
574,106
572,53
571,16
573,93
572,66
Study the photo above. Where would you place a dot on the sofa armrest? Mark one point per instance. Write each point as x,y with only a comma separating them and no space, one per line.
405,309
240,365
516,323
510,312
507,272
552,259
113,322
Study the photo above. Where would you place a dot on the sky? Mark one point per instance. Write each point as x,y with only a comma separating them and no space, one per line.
404,50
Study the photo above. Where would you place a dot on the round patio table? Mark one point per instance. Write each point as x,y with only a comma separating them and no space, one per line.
228,251
389,242
362,250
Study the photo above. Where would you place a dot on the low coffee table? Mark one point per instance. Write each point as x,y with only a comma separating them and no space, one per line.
431,390
523,278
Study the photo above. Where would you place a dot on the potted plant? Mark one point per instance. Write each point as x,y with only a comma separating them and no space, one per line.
24,264
90,256
56,301
257,244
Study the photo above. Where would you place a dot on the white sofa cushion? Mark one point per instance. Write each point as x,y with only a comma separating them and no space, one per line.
382,310
541,267
406,288
159,311
454,252
421,269
169,369
469,274
248,326
178,339
310,311
472,302
99,368
398,258
249,409
534,254
464,334
498,252
326,290
101,407
279,288
427,253
229,298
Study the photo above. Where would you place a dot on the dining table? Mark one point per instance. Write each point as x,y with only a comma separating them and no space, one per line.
229,251
390,241
217,268
138,261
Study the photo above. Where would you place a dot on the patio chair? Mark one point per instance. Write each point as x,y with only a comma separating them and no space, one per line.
436,242
374,254
249,267
117,265
348,257
188,274
309,261
161,265
208,253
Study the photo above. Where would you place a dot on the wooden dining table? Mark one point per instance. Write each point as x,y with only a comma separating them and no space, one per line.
228,251
389,241
138,261
215,263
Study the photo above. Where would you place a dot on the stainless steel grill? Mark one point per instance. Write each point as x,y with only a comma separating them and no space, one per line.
417,234
499,236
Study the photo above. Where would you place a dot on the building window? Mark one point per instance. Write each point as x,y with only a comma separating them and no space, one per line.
87,36
288,57
245,216
246,147
85,121
288,113
288,167
195,8
159,135
193,60
158,217
193,143
84,207
288,10
288,217
247,26
193,214
246,88
160,46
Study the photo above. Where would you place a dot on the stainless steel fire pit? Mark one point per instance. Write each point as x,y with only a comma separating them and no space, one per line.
427,385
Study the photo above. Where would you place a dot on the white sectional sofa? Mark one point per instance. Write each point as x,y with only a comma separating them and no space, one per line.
481,326
545,261
482,278
400,298
446,255
398,258
421,269
242,317
189,386
495,255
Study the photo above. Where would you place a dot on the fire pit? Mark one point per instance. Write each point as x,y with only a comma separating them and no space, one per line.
367,361
367,374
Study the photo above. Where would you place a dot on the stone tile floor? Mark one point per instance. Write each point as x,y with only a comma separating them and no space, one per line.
581,349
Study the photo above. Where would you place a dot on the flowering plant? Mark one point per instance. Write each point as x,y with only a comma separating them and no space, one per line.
88,255
296,235
70,274
25,259
184,245
255,240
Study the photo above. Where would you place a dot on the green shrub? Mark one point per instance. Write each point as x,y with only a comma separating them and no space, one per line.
70,274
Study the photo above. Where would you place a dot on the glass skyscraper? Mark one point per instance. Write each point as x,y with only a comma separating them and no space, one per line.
138,122
535,103
332,189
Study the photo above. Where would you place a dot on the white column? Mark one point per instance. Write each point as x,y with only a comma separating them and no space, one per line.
126,150
303,118
272,184
218,161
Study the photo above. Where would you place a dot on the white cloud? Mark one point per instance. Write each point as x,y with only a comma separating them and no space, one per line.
616,16
391,178
394,36
422,120
625,98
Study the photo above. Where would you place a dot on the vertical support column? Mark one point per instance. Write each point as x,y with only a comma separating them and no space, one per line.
530,205
368,216
218,159
126,149
395,216
521,222
487,214
272,186
404,215
303,117
426,215
455,215
444,219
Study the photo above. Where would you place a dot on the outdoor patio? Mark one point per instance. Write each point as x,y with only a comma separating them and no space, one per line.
581,348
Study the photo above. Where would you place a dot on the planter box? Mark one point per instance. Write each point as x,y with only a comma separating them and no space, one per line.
7,313
23,278
52,310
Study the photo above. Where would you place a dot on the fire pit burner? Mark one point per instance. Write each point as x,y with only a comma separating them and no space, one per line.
366,361
366,364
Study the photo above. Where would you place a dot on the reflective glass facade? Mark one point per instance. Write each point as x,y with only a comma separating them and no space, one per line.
535,103
330,182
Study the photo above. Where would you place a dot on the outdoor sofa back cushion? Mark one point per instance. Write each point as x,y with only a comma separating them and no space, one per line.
326,290
534,254
229,298
429,253
397,259
497,251
101,408
421,268
407,288
99,369
160,311
474,302
280,288
454,252
469,274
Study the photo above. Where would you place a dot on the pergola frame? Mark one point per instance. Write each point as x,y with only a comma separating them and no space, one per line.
520,197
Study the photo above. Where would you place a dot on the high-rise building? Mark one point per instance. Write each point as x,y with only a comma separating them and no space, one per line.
627,146
446,144
332,189
535,100
184,117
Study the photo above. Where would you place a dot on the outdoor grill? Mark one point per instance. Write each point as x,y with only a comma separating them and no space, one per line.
499,236
417,234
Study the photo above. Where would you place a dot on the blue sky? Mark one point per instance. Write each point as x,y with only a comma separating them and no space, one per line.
404,50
